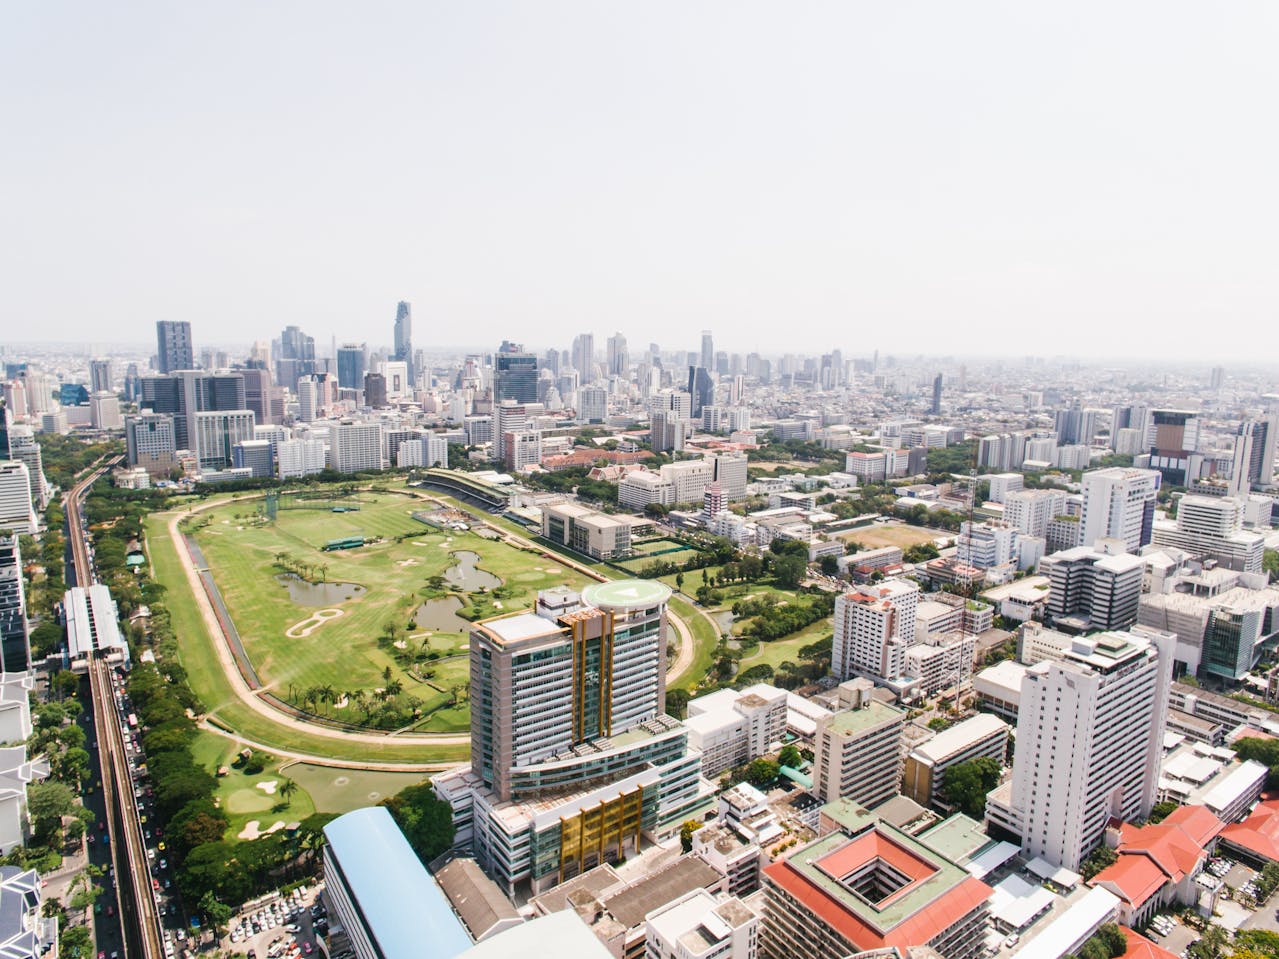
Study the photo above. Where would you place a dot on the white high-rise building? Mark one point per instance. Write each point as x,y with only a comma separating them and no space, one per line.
592,404
429,450
619,360
1210,527
873,627
1030,511
355,447
16,512
1090,731
296,458
308,399
986,545
730,474
216,434
1119,503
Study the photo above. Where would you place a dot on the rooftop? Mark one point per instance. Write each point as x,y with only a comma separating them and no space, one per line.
960,736
626,593
632,904
382,871
851,722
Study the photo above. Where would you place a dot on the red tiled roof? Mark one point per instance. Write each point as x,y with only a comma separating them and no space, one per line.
1133,879
1139,947
916,929
1259,833
1150,856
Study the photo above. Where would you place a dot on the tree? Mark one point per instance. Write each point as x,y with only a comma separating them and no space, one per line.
287,788
790,756
829,566
1161,811
677,702
48,802
425,820
217,912
789,571
966,784
686,834
762,772
1097,860
1210,945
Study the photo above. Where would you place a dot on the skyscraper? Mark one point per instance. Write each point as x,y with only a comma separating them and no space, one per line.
404,338
173,349
1090,734
701,388
100,376
516,374
619,360
15,644
184,394
573,760
352,365
708,350
873,628
935,409
1119,503
584,356
297,356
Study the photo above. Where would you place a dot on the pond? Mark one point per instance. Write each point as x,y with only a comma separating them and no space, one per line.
319,594
724,620
464,574
441,615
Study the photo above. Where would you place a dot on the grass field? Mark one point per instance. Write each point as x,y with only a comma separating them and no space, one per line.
242,797
204,673
341,790
781,650
342,652
705,639
893,534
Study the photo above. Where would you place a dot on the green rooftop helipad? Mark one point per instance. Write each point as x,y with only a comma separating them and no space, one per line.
626,592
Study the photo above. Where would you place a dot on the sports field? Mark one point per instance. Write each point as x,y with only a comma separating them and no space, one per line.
893,534
325,635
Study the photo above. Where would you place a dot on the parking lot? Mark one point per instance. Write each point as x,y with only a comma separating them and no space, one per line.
278,926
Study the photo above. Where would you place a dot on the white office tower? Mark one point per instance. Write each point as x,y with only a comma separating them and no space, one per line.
308,400
429,450
1090,734
1211,527
1030,511
619,360
216,434
573,759
730,474
592,404
355,447
104,411
297,458
1119,503
988,544
873,627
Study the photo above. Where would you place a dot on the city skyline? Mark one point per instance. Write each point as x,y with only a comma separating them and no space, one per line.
938,178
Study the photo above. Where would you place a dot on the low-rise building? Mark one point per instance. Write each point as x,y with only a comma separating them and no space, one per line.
870,886
588,531
698,925
998,688
731,727
982,735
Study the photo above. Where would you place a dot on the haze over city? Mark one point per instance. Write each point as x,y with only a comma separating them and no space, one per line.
946,178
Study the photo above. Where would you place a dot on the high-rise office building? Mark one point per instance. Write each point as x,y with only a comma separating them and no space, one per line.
17,510
1091,590
584,356
1253,461
184,394
1211,527
15,643
1090,731
6,423
708,350
217,432
573,760
935,409
619,360
100,376
858,752
404,340
592,404
1119,503
173,349
1174,443
701,388
261,396
375,391
297,356
515,376
352,365
1075,426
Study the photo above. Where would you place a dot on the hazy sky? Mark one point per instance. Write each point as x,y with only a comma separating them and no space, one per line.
1080,178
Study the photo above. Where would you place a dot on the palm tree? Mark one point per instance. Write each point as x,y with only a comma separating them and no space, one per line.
287,788
394,688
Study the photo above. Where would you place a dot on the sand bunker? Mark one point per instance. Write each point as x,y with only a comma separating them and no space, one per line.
268,786
312,623
251,830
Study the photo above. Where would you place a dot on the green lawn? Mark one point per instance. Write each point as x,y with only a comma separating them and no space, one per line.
780,650
705,639
240,796
210,684
343,652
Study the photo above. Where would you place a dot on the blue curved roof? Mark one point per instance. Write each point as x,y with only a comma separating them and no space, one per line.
406,911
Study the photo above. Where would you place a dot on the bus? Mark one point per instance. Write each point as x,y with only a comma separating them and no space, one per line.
133,721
